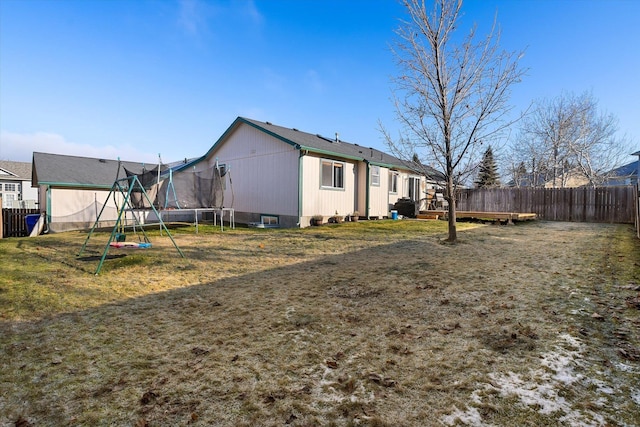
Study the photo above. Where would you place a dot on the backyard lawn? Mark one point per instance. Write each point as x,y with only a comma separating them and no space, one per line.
374,323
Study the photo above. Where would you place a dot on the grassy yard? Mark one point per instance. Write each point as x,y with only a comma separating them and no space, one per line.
372,323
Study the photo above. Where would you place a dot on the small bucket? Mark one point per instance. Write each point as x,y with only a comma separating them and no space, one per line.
394,215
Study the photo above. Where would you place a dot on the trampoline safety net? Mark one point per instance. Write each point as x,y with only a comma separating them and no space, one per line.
185,189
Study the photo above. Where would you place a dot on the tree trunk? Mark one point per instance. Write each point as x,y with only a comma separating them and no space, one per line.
451,199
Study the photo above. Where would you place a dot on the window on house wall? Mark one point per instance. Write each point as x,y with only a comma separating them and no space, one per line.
269,219
393,182
9,187
332,174
375,176
414,188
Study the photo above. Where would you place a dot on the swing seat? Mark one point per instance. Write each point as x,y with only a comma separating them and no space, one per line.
120,237
132,245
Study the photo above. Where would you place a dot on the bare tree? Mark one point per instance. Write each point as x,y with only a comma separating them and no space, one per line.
450,97
567,136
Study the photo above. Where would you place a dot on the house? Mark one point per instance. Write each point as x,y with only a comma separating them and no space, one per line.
15,185
628,174
73,189
271,174
568,179
286,176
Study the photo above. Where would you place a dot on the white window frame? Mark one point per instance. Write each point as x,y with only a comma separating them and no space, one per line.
335,166
375,176
393,182
10,187
415,188
269,219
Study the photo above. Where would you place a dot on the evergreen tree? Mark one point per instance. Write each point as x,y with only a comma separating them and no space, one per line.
488,175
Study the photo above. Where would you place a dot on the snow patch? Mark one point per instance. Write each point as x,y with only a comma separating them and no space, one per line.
469,417
540,389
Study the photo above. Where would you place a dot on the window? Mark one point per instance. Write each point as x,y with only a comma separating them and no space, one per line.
414,188
393,182
375,176
332,174
269,219
9,187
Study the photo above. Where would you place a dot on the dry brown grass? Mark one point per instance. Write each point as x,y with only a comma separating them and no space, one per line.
358,324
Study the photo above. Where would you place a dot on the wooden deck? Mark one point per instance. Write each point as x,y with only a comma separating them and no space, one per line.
499,216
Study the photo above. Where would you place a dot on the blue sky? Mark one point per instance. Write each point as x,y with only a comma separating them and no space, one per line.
131,79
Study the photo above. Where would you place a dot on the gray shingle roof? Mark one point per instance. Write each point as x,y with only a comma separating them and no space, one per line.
74,171
22,170
627,170
324,145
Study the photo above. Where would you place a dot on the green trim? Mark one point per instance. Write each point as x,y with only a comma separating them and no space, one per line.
268,132
48,204
300,182
330,153
241,120
233,126
77,185
367,191
388,165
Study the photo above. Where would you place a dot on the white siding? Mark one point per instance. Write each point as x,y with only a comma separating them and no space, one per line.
379,195
263,172
82,206
317,200
29,192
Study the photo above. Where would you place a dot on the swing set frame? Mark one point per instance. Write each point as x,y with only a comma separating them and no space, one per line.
125,187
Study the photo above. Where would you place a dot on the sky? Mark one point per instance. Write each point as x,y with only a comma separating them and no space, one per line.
138,79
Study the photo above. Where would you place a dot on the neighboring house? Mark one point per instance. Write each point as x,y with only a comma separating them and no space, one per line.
15,185
625,175
569,179
73,190
286,176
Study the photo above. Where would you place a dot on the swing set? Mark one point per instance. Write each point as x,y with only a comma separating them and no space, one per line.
127,187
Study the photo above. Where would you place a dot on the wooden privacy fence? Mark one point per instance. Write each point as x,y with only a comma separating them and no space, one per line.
603,204
13,222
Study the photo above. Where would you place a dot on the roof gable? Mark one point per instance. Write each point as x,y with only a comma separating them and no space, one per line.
318,144
15,170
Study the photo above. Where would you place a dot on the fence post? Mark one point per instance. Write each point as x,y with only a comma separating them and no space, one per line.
637,203
1,220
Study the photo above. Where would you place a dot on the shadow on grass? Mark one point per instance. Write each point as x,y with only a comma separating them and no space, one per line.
94,258
329,340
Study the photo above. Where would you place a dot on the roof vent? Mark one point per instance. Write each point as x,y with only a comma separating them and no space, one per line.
102,161
268,123
337,138
295,129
